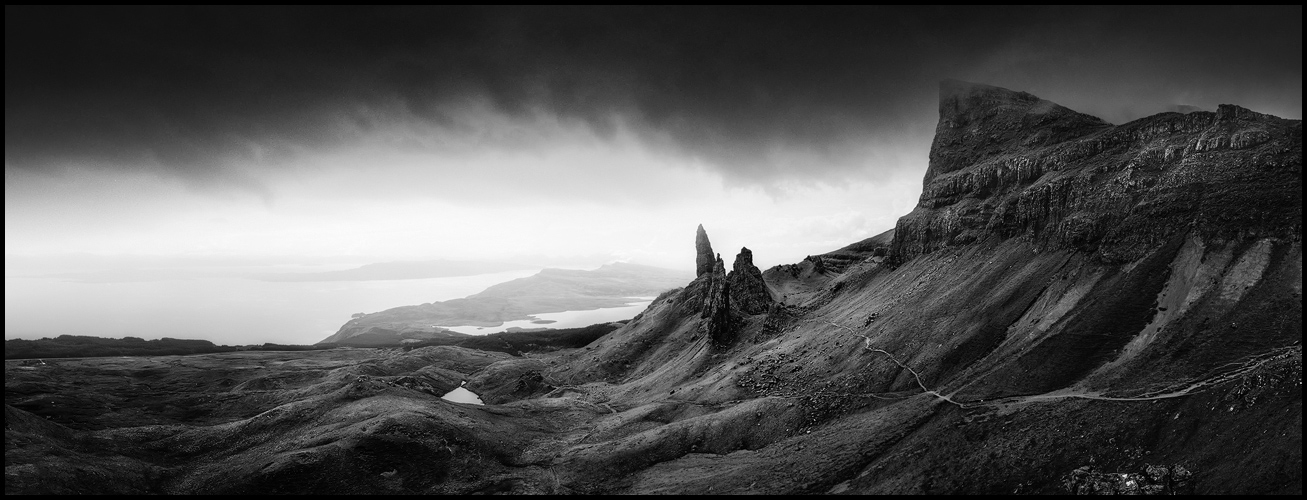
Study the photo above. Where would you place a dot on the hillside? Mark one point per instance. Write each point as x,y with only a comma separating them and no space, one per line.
1066,294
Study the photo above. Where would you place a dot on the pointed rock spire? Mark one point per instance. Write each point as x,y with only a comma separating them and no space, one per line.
703,260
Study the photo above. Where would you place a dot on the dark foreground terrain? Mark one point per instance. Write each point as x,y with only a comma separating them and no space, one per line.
1072,307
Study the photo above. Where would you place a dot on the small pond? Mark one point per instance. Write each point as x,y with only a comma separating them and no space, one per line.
462,395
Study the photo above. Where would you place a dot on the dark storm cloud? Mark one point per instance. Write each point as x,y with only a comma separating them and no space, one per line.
196,89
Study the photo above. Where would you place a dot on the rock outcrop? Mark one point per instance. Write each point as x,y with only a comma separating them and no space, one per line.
716,314
1153,480
1007,164
748,291
703,254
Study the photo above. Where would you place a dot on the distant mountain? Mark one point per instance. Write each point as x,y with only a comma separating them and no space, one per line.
399,271
78,346
550,290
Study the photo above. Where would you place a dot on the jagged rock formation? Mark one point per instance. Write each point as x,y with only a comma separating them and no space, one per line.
818,264
717,306
748,291
703,254
1007,164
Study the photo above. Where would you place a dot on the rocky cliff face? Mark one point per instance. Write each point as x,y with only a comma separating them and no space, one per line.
1006,164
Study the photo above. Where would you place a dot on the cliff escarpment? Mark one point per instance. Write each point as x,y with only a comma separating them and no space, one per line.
1006,164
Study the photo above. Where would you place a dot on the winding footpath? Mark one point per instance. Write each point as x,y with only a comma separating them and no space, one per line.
867,344
1239,368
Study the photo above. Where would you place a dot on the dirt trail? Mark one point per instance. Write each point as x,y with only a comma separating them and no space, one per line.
867,344
1236,369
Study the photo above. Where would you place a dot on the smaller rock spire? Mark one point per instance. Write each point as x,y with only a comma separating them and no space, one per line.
749,292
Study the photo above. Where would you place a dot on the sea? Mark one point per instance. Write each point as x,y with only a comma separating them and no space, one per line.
237,310
564,319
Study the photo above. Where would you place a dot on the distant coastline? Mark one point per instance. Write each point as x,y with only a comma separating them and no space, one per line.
519,300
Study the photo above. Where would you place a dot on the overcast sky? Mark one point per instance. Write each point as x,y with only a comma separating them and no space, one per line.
551,134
